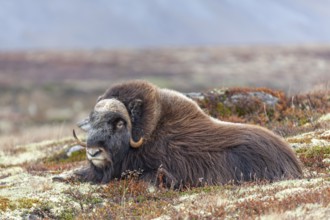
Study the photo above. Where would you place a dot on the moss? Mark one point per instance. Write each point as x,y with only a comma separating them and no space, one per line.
57,162
240,111
22,203
306,140
27,203
4,203
222,110
302,120
316,151
272,114
63,158
313,158
5,186
76,156
67,215
43,210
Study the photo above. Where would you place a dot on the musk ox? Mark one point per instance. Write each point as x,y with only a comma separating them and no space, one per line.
136,125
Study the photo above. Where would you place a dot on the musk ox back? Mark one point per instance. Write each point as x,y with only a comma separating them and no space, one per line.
137,126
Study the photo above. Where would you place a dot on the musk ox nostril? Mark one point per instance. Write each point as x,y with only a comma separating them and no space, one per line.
93,152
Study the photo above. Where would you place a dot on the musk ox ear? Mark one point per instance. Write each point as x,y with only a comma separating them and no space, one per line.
84,124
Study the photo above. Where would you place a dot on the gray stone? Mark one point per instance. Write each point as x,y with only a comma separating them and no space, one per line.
74,149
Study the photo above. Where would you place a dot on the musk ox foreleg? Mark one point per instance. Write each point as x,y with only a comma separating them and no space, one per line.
165,179
82,174
93,174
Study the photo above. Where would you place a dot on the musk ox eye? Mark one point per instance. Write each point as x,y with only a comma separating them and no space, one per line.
120,124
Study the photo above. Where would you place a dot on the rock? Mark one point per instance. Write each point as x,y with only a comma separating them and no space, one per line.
33,217
74,149
326,161
266,98
195,95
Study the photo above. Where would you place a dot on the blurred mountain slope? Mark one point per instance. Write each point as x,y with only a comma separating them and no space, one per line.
87,24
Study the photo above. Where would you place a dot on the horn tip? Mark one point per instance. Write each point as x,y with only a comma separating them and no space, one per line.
74,133
136,144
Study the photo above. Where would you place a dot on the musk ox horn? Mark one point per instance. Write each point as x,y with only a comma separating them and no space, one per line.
111,105
77,139
136,144
115,105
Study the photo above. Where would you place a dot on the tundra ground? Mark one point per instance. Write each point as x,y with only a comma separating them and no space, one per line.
27,169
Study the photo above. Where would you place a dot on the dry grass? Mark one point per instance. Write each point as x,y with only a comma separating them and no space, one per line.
12,142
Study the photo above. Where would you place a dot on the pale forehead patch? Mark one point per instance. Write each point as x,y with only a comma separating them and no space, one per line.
112,105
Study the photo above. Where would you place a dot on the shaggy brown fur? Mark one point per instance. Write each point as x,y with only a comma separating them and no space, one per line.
187,147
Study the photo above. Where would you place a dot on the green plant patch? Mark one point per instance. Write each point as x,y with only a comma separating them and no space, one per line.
313,158
67,214
56,163
316,151
43,210
4,203
22,203
62,158
222,110
5,186
306,140
25,203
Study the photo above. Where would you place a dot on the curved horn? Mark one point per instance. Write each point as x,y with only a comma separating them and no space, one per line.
112,105
136,144
78,141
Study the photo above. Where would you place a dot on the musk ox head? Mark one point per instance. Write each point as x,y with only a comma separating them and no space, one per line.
109,133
